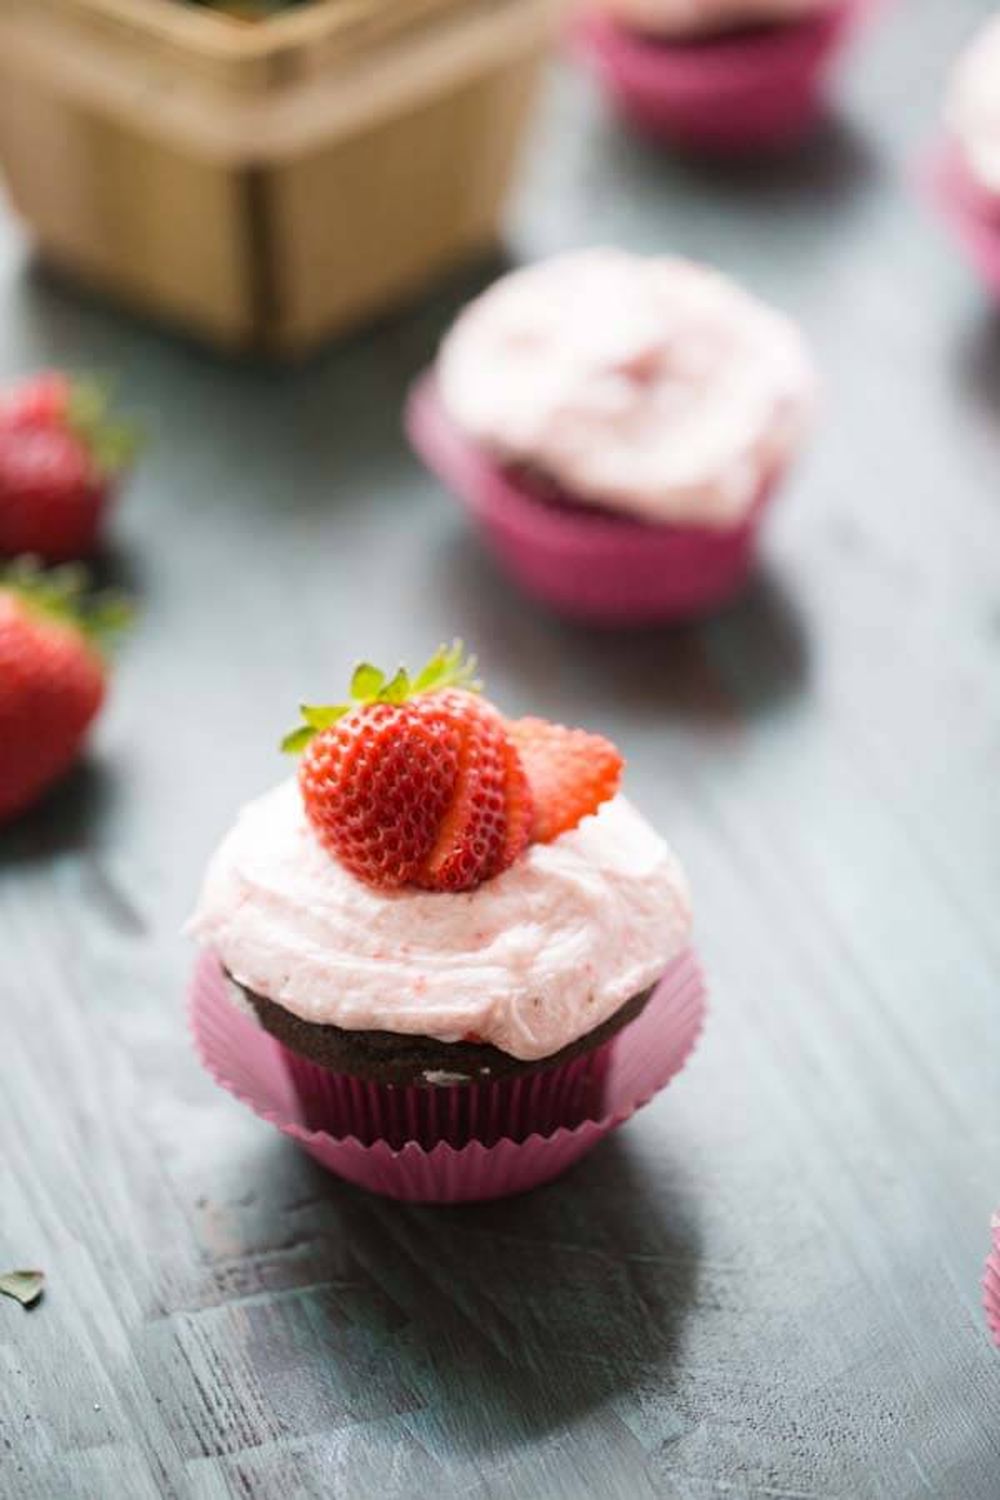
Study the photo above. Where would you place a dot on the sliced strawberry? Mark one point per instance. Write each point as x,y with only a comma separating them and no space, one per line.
570,773
415,783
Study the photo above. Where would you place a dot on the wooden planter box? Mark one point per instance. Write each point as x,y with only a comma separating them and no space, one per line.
265,185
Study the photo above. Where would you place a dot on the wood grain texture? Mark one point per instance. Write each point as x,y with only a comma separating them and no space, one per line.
767,1285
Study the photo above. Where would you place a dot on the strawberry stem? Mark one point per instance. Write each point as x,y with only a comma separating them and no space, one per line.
63,594
112,443
449,667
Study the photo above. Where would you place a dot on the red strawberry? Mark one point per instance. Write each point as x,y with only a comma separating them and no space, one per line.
415,783
50,501
52,678
59,457
570,772
40,401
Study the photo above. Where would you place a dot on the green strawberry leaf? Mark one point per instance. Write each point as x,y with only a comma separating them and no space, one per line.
433,673
448,668
398,690
111,443
318,717
367,682
63,594
297,740
24,1286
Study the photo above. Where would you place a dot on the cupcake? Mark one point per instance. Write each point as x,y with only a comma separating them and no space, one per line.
616,425
449,935
727,76
991,1283
965,175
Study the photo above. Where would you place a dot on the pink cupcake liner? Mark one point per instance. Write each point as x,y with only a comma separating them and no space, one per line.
599,568
991,1284
511,1108
635,1064
746,91
972,214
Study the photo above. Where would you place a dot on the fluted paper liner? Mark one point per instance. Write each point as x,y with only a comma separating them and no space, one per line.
584,563
991,1283
635,1064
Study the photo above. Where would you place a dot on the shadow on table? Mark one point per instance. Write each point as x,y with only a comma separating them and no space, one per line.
833,163
978,360
510,1318
60,309
749,659
830,166
65,819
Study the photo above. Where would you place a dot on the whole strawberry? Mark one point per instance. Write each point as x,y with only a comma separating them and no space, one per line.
423,782
52,677
61,455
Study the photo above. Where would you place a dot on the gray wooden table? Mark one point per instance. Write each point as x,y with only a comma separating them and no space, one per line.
768,1284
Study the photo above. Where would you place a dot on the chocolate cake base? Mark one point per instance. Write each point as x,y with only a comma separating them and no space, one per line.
388,1057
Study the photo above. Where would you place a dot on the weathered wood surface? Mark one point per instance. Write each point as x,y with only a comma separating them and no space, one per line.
768,1284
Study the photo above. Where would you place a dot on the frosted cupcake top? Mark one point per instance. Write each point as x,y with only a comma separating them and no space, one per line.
528,961
650,386
696,18
973,107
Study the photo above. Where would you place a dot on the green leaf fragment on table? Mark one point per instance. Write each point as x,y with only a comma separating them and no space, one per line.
24,1286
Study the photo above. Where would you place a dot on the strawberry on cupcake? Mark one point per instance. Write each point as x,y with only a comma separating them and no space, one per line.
62,457
720,76
445,919
616,425
53,676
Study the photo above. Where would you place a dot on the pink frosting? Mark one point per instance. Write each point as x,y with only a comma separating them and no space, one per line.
529,961
682,19
656,387
973,107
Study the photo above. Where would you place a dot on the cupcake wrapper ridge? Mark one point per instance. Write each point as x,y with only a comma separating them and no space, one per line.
577,1103
601,569
991,1284
488,1112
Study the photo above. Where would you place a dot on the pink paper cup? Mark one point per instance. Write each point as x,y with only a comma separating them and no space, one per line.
971,214
747,91
633,1065
991,1284
594,567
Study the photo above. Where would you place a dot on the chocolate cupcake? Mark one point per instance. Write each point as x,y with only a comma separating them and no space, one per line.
617,425
447,922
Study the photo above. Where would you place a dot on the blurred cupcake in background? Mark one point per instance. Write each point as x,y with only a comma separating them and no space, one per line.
728,76
965,175
616,425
